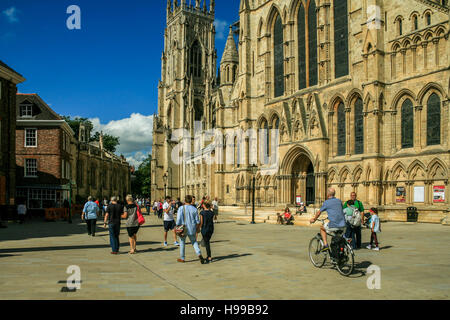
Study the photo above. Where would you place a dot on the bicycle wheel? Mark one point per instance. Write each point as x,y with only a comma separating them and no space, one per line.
317,258
346,263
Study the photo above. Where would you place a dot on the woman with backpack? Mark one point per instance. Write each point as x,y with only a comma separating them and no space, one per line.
359,206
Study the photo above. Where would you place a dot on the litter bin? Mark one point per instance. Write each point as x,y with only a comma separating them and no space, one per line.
411,214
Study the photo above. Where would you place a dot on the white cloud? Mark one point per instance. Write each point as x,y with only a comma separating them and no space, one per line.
221,29
11,14
135,133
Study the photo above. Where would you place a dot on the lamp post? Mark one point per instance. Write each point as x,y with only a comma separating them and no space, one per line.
253,170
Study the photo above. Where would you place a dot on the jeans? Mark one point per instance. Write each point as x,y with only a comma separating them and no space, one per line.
91,226
114,232
194,244
373,237
206,239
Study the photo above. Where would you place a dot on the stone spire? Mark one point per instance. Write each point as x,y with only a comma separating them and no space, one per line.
230,54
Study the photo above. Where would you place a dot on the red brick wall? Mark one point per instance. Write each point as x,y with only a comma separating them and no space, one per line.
47,153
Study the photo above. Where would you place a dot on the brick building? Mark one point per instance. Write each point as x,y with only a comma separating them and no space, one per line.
43,153
8,82
52,162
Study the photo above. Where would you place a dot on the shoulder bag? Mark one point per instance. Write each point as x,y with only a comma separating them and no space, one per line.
141,219
181,229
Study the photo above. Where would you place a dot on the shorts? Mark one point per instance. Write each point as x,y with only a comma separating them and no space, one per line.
329,230
132,231
216,212
169,225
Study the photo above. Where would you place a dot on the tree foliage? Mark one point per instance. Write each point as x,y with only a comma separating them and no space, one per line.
110,143
141,185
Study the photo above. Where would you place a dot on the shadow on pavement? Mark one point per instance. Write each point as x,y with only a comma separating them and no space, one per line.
9,255
231,256
360,269
55,248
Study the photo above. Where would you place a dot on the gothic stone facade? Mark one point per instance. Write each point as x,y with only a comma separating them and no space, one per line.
357,89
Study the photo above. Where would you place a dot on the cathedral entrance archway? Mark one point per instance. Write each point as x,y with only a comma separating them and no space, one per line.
303,182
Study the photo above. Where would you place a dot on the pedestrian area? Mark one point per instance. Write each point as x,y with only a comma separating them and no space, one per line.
261,261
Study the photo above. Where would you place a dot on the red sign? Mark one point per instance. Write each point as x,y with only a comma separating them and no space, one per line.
298,200
438,193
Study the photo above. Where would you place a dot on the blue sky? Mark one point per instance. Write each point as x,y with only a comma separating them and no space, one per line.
107,71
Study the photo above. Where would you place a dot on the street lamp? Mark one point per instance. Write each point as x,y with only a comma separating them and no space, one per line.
253,169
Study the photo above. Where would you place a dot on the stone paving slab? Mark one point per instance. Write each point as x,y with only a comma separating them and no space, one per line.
261,261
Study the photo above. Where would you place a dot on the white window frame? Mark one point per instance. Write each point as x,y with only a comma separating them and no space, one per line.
26,113
26,175
25,137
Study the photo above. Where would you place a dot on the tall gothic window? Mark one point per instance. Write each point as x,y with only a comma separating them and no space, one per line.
312,43
340,38
195,60
359,127
407,124
237,152
278,57
341,130
198,110
301,47
434,120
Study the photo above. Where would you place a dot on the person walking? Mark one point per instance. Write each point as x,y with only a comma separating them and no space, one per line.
188,216
114,212
147,206
375,228
207,228
89,214
358,205
169,221
160,209
22,211
215,206
130,213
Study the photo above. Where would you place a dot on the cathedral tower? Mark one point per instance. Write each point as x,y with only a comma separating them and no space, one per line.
188,67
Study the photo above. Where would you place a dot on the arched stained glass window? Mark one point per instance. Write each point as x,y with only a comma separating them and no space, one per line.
407,124
301,47
267,133
195,60
278,57
341,130
434,120
198,110
312,34
359,127
237,152
340,38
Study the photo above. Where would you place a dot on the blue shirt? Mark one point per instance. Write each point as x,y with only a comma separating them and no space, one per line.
333,207
90,210
189,218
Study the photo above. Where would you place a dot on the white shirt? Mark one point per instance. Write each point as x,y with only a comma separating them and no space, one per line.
215,204
168,216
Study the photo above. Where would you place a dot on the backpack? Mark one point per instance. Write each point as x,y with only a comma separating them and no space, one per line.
355,219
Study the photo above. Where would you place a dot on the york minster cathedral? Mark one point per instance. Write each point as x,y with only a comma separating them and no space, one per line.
357,92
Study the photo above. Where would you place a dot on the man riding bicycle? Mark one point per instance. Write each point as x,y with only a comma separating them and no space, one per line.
333,207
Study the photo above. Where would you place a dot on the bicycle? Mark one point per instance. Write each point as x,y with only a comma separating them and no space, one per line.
340,252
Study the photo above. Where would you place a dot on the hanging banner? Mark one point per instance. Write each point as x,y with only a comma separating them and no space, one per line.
298,200
439,194
400,194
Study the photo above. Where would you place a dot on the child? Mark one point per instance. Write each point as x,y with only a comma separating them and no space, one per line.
375,228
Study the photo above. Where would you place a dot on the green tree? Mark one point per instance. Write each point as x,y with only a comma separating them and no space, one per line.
110,143
141,185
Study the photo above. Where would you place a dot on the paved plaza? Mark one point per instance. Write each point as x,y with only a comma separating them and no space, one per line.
261,261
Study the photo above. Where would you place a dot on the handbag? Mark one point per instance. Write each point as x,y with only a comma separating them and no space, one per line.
141,219
181,229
